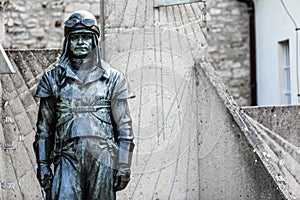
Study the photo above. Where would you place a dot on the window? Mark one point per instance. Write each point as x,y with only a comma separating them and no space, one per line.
159,3
284,70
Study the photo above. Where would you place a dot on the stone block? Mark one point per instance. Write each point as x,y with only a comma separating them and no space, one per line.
37,32
10,189
236,12
25,16
53,44
95,8
19,8
32,22
57,14
20,160
30,186
27,99
45,23
7,84
75,6
223,5
225,74
14,15
10,133
16,106
16,30
28,142
20,37
240,73
215,11
235,82
10,22
237,65
21,89
24,123
10,129
28,42
32,113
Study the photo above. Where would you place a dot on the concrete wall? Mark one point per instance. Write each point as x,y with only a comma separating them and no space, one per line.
279,156
279,129
229,168
204,154
283,120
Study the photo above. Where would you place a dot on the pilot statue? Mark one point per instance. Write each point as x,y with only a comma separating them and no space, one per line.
84,139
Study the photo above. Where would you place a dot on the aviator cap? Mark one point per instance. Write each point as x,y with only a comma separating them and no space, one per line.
81,21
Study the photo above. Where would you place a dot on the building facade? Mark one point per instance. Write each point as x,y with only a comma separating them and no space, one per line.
277,51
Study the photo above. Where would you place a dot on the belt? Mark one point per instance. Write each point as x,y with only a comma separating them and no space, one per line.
81,109
92,108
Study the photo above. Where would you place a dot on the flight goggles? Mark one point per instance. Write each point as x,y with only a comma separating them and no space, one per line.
74,21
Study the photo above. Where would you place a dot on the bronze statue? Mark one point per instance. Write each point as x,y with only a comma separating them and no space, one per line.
84,125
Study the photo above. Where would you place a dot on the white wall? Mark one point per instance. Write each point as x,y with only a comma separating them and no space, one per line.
272,26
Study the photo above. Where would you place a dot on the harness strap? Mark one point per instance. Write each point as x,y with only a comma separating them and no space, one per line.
93,108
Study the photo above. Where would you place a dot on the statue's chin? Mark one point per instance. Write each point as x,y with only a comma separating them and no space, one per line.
80,56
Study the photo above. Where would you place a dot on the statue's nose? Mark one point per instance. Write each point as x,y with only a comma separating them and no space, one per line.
80,40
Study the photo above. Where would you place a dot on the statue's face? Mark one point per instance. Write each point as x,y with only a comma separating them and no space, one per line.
81,44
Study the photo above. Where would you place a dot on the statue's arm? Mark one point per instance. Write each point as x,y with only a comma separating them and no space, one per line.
43,144
124,136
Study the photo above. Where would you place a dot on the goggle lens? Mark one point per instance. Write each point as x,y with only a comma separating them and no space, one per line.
85,22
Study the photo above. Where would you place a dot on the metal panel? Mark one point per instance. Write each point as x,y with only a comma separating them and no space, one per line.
159,3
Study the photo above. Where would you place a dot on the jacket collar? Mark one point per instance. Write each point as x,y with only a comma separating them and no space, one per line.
97,72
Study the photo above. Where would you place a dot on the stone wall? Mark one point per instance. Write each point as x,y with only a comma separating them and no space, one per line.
19,113
39,24
228,45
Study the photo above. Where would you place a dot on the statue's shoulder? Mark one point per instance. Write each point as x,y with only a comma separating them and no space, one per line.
111,71
121,89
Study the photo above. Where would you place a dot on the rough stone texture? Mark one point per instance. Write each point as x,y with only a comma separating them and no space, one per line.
281,158
2,30
228,45
282,134
225,152
19,120
283,120
39,24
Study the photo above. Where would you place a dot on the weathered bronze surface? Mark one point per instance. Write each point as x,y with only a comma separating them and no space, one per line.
84,125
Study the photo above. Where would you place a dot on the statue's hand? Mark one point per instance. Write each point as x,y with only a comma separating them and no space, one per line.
44,175
122,178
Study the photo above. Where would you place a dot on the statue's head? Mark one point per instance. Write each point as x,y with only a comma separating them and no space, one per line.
81,21
81,35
